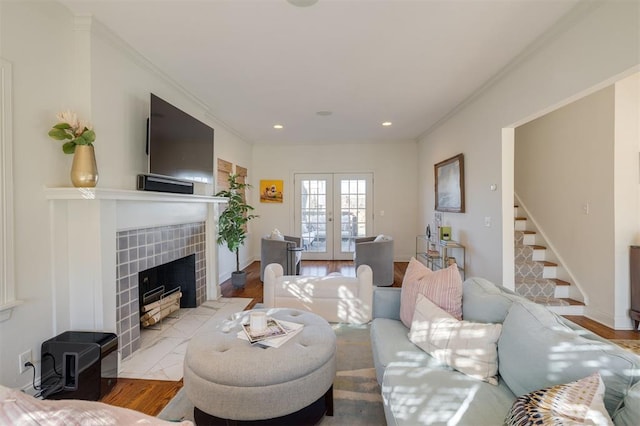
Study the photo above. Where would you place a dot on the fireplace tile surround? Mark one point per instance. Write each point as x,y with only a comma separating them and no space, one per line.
144,248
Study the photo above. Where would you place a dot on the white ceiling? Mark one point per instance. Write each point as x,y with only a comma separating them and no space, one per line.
256,63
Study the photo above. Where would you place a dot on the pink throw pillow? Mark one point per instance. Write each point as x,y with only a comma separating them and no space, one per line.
443,287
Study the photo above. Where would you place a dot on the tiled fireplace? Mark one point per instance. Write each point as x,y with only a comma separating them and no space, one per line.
101,238
143,248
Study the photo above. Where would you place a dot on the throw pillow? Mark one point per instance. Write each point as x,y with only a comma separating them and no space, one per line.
443,287
469,347
382,237
277,235
576,403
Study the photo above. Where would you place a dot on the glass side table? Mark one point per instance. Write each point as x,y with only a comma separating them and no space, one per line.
294,260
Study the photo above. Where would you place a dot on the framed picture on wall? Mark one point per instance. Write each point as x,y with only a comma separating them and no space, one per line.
271,191
450,185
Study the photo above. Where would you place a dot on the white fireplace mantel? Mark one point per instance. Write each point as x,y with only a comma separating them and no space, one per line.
84,224
127,195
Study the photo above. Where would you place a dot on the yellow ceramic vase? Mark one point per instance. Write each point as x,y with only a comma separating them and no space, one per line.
84,171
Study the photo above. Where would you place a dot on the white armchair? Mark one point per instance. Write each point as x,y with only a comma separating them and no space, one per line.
336,298
377,252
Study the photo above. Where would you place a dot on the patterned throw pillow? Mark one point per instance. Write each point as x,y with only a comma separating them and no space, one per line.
469,347
576,403
443,287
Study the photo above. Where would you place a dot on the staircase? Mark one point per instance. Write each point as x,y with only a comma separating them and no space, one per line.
536,277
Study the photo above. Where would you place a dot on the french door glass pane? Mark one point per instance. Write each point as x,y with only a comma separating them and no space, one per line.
313,215
353,211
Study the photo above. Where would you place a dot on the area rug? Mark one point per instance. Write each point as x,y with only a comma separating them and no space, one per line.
632,345
357,397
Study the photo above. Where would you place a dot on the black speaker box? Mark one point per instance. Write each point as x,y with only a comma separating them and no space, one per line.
163,184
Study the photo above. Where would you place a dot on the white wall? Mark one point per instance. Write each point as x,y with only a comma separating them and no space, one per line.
563,162
394,168
32,36
597,43
121,115
58,63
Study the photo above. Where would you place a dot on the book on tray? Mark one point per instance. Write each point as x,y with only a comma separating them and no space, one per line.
272,341
273,329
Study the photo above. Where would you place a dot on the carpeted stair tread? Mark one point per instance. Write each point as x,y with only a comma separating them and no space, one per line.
535,287
523,254
542,281
548,301
528,270
529,281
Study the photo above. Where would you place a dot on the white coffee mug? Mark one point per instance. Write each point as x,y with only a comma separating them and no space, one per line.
258,321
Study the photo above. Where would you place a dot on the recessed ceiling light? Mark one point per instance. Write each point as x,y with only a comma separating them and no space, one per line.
324,113
387,123
303,3
278,126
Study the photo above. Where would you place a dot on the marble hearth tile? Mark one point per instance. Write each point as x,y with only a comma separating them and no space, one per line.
145,358
186,327
161,356
170,367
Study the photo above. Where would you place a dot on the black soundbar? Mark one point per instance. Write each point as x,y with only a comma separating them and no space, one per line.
164,184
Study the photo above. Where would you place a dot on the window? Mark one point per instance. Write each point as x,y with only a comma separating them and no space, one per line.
242,178
7,284
224,170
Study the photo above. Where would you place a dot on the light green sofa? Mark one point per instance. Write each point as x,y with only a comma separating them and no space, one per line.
536,349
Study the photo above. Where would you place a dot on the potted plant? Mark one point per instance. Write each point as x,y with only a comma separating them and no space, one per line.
232,224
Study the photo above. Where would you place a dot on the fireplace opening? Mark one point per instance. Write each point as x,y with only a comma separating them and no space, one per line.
166,288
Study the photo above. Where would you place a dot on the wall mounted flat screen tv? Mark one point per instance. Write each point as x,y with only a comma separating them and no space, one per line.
179,145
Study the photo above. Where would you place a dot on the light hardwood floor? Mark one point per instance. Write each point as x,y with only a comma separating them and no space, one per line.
151,396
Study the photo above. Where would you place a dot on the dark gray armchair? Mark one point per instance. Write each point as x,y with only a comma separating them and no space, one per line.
379,256
285,252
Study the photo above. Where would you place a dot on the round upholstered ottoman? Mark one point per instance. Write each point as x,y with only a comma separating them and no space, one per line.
228,378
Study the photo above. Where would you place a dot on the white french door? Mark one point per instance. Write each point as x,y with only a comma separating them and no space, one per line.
331,210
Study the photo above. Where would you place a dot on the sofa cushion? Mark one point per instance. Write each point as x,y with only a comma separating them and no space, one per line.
389,344
576,403
469,347
483,301
427,396
553,354
629,413
443,287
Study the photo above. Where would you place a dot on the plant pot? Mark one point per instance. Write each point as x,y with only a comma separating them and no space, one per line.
238,279
84,171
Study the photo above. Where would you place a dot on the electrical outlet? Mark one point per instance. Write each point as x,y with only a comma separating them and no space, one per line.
24,358
487,221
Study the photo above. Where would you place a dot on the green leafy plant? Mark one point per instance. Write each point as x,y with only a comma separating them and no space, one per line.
73,131
232,222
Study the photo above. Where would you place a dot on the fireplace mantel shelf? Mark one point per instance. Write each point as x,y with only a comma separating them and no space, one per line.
126,195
